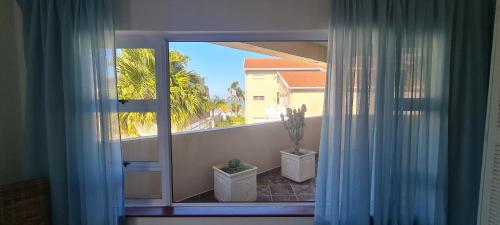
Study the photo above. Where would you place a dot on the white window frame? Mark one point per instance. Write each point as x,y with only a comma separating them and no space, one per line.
160,41
158,105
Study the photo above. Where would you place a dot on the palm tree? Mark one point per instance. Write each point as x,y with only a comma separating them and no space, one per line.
217,104
189,97
137,80
235,96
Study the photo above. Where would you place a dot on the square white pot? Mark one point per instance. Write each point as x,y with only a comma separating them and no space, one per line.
240,187
298,168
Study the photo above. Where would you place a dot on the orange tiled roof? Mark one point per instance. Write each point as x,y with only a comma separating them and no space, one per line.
275,63
304,78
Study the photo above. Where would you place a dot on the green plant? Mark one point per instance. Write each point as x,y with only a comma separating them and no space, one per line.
137,80
295,126
188,94
235,96
216,103
231,121
235,166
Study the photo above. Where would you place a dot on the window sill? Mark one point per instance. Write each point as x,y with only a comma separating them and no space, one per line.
221,211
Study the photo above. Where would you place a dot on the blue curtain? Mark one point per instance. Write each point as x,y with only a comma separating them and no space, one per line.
384,141
71,108
470,69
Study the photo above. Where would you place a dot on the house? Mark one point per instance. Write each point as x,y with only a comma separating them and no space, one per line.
274,84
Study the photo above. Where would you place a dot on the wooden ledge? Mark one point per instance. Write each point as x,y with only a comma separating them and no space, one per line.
221,211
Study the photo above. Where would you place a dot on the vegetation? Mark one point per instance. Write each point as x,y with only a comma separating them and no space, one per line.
231,121
235,96
216,104
189,96
235,166
295,126
188,93
136,80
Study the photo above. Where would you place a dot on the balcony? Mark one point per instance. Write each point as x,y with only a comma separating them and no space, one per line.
195,152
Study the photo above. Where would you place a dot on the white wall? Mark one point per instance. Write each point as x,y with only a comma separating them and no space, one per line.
222,15
11,125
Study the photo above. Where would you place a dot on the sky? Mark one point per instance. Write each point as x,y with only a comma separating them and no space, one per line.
219,65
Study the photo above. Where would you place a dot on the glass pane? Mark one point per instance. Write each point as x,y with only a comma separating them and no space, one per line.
226,101
136,73
139,136
143,185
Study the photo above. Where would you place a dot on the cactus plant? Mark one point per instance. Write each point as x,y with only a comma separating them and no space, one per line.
295,126
234,166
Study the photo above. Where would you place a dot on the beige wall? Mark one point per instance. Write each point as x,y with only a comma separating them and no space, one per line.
11,92
194,154
148,149
259,83
312,99
142,185
265,83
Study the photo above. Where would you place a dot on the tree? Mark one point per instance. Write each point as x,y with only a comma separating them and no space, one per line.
137,80
188,94
217,104
235,96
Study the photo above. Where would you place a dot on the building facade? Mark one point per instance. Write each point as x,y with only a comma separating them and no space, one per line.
274,84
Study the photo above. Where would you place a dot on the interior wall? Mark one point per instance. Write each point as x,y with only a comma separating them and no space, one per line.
11,116
221,15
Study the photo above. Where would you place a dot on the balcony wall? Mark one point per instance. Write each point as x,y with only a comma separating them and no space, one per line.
194,153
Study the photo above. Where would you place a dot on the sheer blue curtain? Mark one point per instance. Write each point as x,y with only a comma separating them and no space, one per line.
383,151
71,108
470,69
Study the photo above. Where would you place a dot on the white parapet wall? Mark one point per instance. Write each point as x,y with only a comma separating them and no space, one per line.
194,153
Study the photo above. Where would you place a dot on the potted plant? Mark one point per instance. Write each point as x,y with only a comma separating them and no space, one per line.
299,164
235,181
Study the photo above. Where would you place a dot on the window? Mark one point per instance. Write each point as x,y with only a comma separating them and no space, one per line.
186,109
242,88
258,98
142,119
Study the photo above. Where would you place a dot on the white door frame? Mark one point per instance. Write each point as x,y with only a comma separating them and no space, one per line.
158,105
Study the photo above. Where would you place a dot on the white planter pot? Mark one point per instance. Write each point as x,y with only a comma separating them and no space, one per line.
298,168
241,187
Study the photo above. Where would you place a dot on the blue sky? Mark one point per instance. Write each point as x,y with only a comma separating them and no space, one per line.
219,65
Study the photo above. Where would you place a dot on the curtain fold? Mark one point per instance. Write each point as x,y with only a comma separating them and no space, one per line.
470,69
384,142
71,111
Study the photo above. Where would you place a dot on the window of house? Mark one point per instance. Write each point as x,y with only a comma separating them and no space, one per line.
186,111
258,98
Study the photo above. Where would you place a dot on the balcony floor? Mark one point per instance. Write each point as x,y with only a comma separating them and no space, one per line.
272,187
